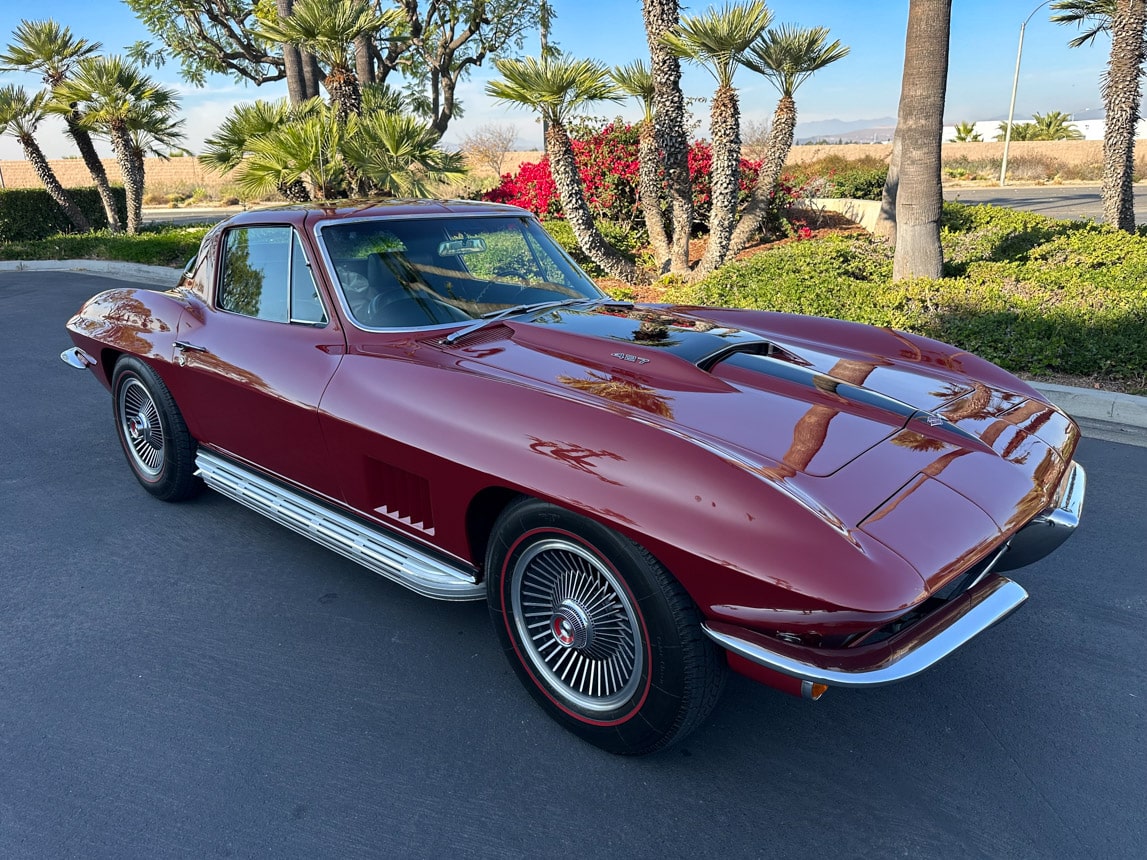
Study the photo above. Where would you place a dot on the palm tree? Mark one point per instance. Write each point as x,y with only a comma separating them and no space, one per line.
226,150
1092,17
966,133
635,80
115,98
1125,20
716,41
669,118
1020,131
556,87
1121,94
1055,125
328,29
52,51
919,129
397,155
20,116
787,56
285,158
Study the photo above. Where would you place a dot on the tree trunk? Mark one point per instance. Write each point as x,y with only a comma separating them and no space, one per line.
886,220
95,168
1121,94
346,98
563,166
920,125
51,184
725,177
363,60
292,60
312,75
669,123
132,170
779,144
649,193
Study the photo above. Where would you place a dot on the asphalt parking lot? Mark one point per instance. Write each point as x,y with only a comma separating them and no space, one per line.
193,680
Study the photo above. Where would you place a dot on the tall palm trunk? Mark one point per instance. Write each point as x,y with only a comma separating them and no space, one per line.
95,167
563,166
51,184
886,219
346,97
669,118
1121,94
920,124
649,193
133,175
725,177
778,146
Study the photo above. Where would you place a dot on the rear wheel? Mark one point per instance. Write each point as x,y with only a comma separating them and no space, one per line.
602,636
151,430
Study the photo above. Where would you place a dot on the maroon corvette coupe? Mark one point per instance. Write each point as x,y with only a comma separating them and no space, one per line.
644,495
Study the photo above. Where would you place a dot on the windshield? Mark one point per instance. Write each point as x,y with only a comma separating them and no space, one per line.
421,272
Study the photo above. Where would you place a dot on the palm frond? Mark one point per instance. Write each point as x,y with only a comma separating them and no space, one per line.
717,38
554,86
788,55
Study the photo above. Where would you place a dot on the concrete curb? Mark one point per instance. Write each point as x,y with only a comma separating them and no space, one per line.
1111,406
1087,403
163,276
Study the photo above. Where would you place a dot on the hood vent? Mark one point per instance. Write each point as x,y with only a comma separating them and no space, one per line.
486,335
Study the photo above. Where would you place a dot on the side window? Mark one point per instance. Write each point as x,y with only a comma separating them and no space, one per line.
306,307
265,276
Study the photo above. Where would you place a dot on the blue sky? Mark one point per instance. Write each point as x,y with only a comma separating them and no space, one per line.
865,85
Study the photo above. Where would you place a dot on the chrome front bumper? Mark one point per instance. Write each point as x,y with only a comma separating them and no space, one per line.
1052,527
76,357
935,636
898,657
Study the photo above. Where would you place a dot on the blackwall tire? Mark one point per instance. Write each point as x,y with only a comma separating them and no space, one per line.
602,636
158,447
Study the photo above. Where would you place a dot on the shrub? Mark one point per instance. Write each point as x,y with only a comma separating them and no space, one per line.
861,179
1032,294
608,163
31,213
156,245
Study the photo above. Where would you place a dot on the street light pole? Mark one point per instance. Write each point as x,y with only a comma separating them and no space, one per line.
1015,86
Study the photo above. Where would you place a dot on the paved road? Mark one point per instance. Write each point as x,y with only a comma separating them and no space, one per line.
1077,202
192,680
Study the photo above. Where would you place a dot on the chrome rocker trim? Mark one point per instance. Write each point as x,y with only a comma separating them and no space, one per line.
1052,527
372,548
895,659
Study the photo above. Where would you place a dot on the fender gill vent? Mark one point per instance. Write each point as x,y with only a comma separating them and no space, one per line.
400,495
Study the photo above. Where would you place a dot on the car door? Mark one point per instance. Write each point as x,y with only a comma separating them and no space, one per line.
256,352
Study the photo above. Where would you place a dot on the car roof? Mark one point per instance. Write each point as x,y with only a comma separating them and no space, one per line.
333,210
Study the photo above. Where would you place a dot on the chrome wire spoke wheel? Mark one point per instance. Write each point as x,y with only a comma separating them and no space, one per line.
142,427
578,626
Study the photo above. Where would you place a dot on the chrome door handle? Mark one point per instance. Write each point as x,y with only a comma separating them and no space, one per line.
185,346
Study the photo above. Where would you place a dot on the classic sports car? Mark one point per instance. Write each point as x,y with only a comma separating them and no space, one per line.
644,495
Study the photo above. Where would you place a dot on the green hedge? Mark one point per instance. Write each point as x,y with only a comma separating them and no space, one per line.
30,213
1032,294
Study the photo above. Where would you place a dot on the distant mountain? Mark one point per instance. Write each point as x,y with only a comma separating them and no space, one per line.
847,131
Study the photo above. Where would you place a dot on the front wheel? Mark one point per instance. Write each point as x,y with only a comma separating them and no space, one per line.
151,430
602,636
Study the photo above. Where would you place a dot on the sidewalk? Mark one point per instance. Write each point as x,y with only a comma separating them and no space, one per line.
1085,403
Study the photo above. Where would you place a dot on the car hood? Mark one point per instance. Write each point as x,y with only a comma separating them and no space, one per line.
809,405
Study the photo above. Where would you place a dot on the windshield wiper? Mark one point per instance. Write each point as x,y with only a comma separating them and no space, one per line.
494,316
